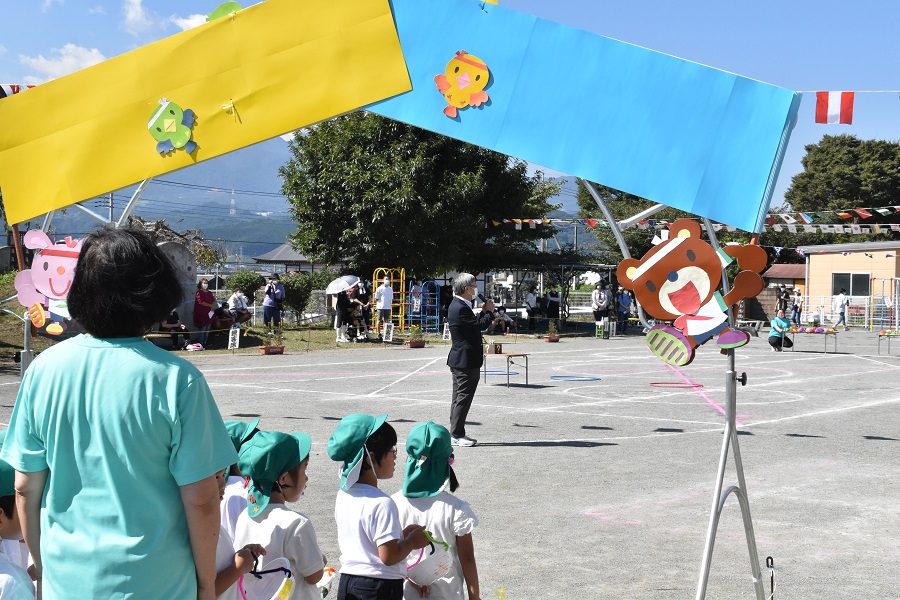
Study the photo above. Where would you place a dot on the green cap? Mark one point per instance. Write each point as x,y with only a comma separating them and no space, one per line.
240,431
348,442
7,473
264,458
428,454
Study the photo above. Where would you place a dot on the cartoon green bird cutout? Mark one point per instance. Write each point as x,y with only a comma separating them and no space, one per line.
171,127
223,10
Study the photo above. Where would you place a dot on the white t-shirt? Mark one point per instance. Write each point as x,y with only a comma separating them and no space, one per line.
225,558
236,302
284,534
234,502
16,552
384,295
445,516
367,518
15,584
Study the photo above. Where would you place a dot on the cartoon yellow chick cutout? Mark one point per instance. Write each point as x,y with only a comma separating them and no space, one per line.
463,82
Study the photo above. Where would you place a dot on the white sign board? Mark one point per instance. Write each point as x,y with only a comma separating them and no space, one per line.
234,338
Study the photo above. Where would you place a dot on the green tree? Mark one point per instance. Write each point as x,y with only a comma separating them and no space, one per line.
298,287
844,172
374,192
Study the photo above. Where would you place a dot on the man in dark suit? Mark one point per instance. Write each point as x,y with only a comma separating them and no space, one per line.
466,356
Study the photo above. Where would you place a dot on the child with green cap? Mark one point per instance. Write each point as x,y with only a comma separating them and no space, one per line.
234,500
373,544
231,564
424,500
14,580
276,465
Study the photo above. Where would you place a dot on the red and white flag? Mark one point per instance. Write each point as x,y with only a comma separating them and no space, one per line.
8,89
834,107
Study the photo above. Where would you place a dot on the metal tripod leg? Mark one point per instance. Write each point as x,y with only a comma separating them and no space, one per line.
730,439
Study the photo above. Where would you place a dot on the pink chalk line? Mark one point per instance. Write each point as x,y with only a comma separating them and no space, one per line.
700,392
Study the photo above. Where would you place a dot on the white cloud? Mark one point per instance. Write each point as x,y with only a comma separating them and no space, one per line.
2,49
97,10
185,23
137,18
68,59
46,4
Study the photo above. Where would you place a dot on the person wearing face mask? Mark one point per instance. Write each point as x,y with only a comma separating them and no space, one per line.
237,305
273,301
204,310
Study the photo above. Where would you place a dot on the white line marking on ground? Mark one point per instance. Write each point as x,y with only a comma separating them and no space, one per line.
878,361
825,412
316,364
428,364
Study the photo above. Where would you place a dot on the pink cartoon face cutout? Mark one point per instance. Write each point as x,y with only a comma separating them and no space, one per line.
45,286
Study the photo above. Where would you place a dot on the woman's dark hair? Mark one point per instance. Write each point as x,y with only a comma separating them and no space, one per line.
7,504
380,443
123,284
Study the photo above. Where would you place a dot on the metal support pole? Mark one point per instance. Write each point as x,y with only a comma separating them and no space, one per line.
614,226
133,201
27,355
729,439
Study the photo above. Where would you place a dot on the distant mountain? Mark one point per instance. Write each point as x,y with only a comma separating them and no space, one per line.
199,197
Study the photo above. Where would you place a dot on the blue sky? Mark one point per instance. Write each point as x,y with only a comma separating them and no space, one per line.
801,45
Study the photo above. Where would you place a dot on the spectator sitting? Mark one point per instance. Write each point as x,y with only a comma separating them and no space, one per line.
222,319
174,326
505,323
488,319
237,305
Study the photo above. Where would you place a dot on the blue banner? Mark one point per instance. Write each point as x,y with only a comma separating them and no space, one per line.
675,132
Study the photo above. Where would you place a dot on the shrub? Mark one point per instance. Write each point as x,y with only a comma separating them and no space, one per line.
298,287
248,281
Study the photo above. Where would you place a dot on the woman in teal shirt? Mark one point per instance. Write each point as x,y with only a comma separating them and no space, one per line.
777,338
116,442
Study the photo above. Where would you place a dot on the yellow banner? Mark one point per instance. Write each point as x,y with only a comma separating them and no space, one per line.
272,68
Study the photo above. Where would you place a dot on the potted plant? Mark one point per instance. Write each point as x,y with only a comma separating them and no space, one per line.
416,337
273,341
552,332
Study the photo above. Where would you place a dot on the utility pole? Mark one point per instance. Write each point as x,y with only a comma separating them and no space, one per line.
110,207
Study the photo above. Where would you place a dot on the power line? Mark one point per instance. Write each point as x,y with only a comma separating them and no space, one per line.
217,189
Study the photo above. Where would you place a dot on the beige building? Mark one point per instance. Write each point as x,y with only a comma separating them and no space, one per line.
870,272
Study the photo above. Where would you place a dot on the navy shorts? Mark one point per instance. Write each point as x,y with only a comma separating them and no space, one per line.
360,587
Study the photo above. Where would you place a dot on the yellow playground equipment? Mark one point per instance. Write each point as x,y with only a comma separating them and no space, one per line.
398,284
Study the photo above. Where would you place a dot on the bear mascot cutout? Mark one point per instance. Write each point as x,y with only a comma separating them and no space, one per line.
678,281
